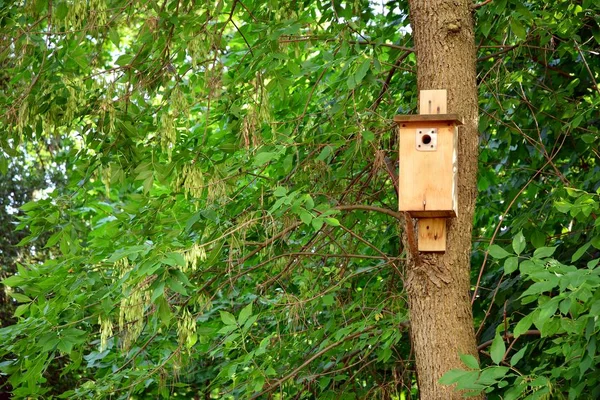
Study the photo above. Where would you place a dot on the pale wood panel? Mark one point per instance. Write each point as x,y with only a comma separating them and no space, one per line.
433,101
426,178
431,234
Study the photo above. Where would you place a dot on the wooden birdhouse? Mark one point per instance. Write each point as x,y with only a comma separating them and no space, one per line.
428,167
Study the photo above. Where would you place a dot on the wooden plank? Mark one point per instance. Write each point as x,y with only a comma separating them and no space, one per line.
431,234
433,101
426,179
433,214
450,118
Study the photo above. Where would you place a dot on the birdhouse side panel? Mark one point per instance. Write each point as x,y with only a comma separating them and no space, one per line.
427,177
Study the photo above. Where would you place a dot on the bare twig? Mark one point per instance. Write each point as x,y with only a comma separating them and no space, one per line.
386,84
386,211
318,354
587,66
479,5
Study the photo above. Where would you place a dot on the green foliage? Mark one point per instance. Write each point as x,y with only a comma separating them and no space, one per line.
199,248
564,304
539,173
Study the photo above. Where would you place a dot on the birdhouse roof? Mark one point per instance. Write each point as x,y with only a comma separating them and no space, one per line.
452,118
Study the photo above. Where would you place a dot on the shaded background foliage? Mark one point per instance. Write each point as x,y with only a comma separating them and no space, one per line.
227,225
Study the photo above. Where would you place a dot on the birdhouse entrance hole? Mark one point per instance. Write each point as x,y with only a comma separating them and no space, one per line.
427,139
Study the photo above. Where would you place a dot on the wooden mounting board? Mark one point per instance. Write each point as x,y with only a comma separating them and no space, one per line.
433,101
431,234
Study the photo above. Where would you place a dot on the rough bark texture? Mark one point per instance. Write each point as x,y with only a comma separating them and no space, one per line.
438,284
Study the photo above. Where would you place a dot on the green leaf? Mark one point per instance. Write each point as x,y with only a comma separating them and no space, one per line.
518,243
546,312
514,392
309,203
453,376
470,361
21,298
362,71
159,290
21,309
13,281
61,10
249,322
325,153
52,240
125,252
227,318
3,165
497,349
588,138
324,382
544,252
511,264
305,217
539,288
523,325
124,60
114,37
469,382
65,345
317,223
164,311
498,252
176,286
351,82
332,221
328,300
485,27
491,375
174,258
580,252
538,239
514,360
245,314
280,191
262,158
518,29
563,206
258,382
31,205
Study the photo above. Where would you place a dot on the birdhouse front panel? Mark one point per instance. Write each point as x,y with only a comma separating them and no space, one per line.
427,178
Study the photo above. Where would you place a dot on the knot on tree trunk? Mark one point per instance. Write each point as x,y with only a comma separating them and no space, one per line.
453,27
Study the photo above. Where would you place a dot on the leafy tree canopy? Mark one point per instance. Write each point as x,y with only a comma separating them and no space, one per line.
228,225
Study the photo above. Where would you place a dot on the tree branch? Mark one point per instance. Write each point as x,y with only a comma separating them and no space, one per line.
318,354
479,5
506,50
386,211
386,84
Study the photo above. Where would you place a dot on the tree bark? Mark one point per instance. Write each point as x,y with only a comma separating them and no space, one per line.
438,284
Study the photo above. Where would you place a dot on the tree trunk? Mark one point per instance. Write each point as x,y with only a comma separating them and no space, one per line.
438,284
